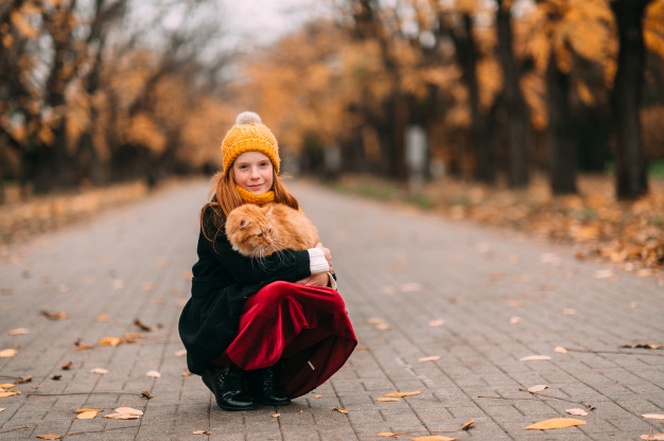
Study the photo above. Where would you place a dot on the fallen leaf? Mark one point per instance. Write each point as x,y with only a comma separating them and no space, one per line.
49,436
560,350
642,346
18,331
7,385
6,353
387,435
653,437
100,371
435,323
201,432
387,399
91,414
468,424
341,410
153,374
515,303
569,311
653,416
431,358
109,341
24,379
142,326
181,353
535,358
433,438
61,315
576,412
403,394
276,415
121,416
2,409
66,366
147,394
186,374
56,377
555,423
318,396
80,347
9,393
537,388
515,320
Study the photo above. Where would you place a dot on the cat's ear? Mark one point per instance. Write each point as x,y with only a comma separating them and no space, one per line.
244,223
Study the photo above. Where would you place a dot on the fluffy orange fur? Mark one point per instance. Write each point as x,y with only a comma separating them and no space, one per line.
258,231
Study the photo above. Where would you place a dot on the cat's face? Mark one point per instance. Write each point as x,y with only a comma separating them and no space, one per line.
251,231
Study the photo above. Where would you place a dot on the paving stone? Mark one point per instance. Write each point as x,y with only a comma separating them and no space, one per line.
446,288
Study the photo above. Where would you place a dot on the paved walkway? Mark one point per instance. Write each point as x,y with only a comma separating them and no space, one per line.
443,308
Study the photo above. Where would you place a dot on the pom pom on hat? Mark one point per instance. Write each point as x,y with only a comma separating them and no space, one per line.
248,118
249,134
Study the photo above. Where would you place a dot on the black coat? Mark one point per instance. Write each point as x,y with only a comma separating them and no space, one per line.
222,281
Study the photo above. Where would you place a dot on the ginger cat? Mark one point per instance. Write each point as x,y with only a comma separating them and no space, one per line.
258,231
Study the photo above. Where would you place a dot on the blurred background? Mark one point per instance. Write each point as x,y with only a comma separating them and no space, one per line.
94,92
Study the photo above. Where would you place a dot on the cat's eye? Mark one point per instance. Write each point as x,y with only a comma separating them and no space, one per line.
259,235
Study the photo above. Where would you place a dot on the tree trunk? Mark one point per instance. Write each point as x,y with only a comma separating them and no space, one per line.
480,139
630,163
517,120
562,151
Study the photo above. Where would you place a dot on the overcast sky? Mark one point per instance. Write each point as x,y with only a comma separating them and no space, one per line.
265,20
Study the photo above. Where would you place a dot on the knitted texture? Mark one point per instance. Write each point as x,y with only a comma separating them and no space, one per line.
257,199
249,134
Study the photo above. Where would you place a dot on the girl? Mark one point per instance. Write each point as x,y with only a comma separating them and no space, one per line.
260,333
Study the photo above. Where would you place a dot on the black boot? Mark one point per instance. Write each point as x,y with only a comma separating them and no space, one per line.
269,390
227,385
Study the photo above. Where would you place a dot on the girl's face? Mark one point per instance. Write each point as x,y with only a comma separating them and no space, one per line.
253,172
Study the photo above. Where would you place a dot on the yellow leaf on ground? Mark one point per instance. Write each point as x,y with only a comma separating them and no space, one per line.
341,410
387,399
121,416
467,425
6,353
653,437
18,331
100,371
110,341
7,385
153,374
87,409
537,388
201,432
403,394
387,435
9,393
49,436
431,358
555,423
88,415
560,350
576,412
653,416
535,358
435,323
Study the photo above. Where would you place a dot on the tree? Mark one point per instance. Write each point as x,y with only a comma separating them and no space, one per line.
514,103
631,171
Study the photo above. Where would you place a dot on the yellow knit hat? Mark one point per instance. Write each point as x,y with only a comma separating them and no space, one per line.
249,134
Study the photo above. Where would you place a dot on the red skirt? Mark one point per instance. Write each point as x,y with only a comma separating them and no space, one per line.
306,328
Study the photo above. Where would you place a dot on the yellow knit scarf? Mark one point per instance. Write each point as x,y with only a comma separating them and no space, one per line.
258,199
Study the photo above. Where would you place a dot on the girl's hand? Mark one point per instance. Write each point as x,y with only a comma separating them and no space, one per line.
326,252
315,280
